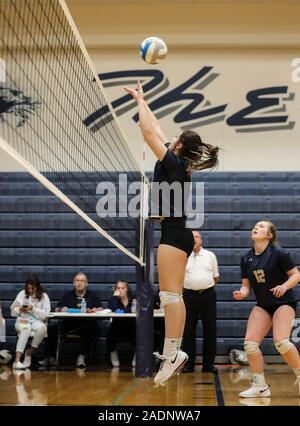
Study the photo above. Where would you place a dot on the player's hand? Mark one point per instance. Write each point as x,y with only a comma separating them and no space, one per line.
239,295
279,290
117,293
64,309
137,94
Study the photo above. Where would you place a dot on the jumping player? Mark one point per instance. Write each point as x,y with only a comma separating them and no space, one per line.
175,163
272,274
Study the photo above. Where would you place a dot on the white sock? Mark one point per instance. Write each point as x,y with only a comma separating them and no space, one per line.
259,379
179,342
297,371
170,347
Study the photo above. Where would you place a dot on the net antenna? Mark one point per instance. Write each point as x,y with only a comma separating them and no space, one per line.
51,87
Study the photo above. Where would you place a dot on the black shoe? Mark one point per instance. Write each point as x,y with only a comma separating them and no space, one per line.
209,369
188,369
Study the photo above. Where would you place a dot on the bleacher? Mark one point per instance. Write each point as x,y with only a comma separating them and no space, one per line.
39,234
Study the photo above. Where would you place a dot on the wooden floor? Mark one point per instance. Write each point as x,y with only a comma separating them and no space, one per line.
113,387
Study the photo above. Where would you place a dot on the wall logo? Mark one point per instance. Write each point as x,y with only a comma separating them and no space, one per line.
14,102
264,110
295,64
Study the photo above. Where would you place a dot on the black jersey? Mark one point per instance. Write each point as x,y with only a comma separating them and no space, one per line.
267,270
171,169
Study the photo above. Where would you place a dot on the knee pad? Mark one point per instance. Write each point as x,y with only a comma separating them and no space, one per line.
283,346
166,298
251,347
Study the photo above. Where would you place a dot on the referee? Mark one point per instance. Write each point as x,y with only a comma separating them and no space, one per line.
200,300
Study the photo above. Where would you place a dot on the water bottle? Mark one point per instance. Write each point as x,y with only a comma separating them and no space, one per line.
133,306
83,305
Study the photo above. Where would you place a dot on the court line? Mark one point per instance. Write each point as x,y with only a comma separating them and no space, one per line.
204,397
123,394
219,393
204,383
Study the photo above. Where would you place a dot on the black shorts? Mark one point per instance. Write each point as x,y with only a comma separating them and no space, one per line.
175,234
272,309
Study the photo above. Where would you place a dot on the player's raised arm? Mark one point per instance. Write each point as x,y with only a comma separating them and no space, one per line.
150,127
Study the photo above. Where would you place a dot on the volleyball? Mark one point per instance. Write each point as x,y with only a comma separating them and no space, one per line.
153,50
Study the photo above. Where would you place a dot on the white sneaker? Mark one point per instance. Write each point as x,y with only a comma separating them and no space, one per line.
27,361
297,382
133,361
80,362
44,362
114,359
256,391
18,366
170,366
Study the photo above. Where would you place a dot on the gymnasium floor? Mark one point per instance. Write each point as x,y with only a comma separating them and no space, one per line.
112,387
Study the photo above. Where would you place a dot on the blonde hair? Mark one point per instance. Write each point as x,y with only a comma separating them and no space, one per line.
272,230
200,155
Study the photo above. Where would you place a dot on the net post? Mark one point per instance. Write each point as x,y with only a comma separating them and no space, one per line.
145,301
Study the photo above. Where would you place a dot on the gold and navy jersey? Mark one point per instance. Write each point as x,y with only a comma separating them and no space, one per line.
267,270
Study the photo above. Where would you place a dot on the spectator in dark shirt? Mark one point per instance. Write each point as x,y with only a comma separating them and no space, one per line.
87,328
121,301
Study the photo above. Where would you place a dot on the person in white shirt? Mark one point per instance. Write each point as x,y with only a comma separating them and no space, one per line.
31,308
199,296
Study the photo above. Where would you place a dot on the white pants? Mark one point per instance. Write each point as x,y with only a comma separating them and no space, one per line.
24,331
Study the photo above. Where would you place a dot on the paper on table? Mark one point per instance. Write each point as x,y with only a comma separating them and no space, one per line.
104,311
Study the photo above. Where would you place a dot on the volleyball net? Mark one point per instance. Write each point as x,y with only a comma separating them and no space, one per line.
48,92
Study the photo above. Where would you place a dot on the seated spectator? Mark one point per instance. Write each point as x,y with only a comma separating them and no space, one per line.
31,308
2,329
120,327
87,328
